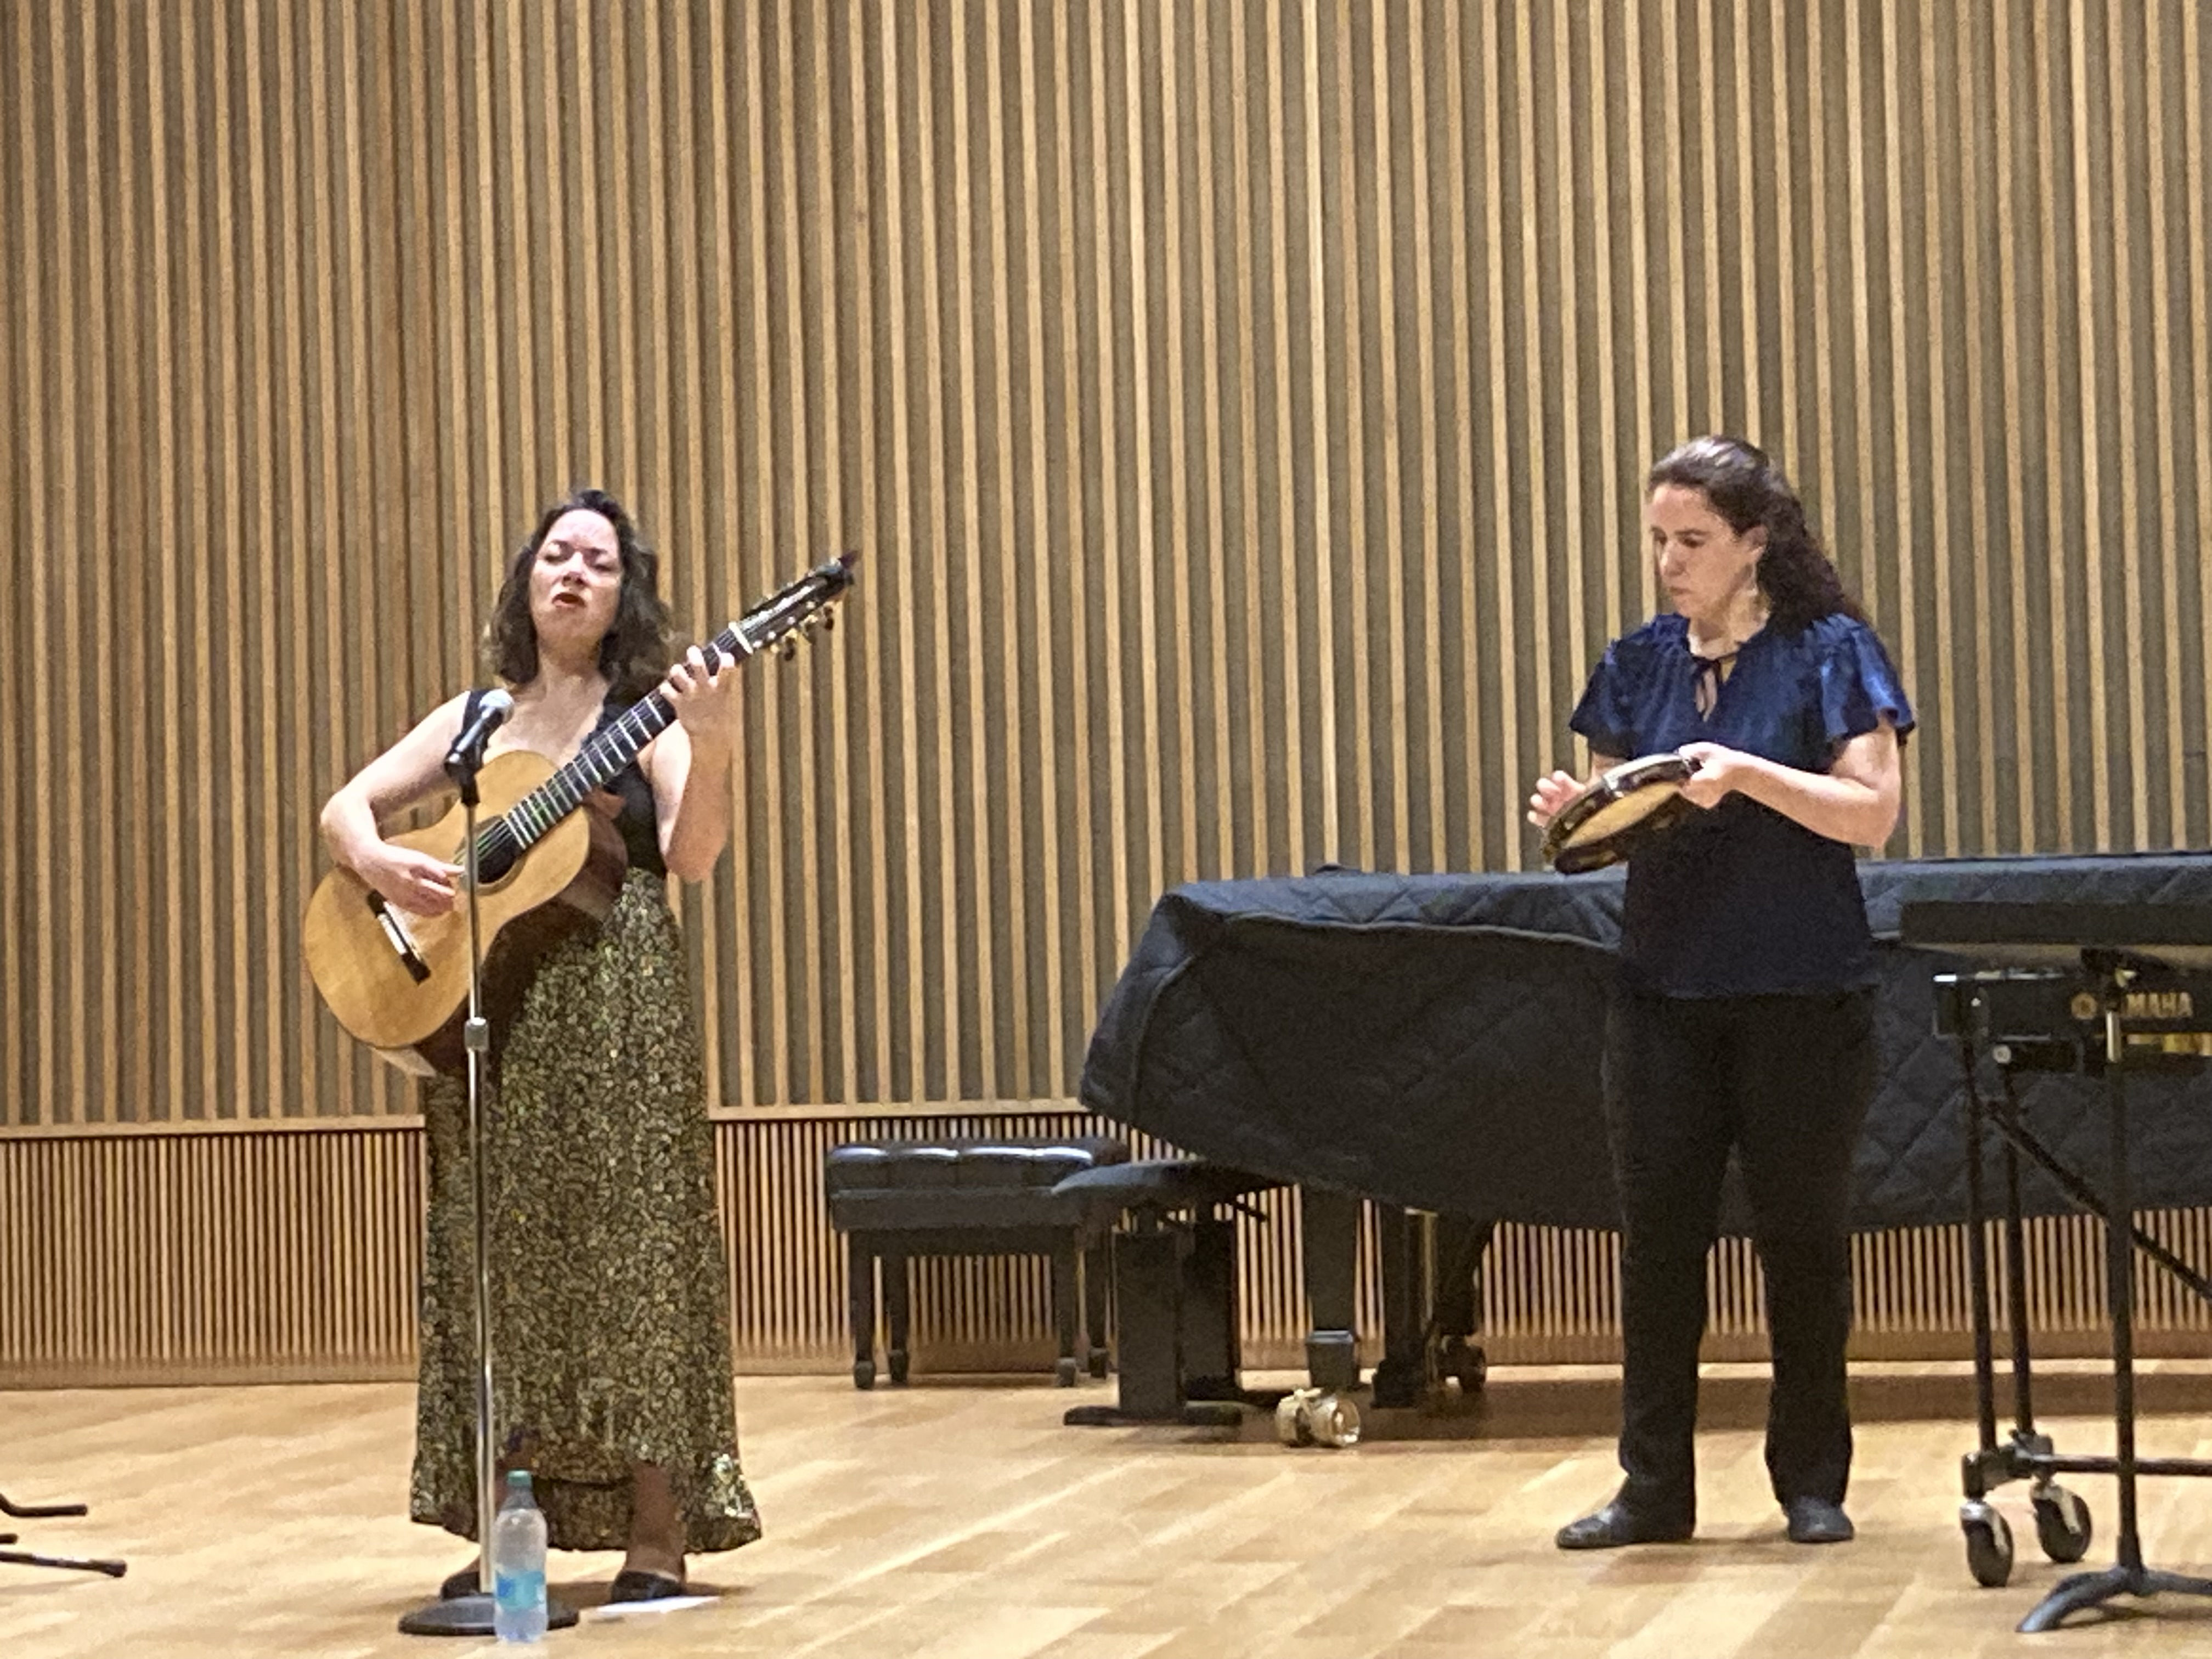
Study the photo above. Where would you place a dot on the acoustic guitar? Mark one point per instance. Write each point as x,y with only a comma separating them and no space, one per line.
399,982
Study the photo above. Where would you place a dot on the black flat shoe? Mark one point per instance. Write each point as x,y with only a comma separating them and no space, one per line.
459,1584
1816,1520
631,1585
1617,1524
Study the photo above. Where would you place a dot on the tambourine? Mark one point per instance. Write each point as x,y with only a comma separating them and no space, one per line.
1618,811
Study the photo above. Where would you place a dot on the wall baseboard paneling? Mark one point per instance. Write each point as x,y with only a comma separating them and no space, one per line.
289,1254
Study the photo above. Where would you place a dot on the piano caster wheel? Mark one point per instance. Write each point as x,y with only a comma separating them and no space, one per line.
1336,1421
864,1374
1316,1417
2062,1526
1988,1544
1466,1362
1063,1372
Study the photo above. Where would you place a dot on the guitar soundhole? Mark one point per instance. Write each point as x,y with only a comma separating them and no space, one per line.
496,853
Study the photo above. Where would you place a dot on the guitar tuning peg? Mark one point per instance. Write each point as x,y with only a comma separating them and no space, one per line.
790,647
829,620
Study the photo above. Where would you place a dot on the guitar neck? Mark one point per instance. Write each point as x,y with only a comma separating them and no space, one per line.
605,754
761,628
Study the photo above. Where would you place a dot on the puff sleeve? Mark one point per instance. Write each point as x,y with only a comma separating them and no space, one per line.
1605,715
1859,685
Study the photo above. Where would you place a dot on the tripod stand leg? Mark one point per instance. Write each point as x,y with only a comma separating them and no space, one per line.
23,1559
2082,1590
38,1511
2072,1594
2155,1582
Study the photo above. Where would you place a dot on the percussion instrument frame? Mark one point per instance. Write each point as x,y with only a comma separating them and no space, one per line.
1666,770
2111,975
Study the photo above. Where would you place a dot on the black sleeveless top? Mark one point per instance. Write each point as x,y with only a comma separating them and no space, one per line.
638,819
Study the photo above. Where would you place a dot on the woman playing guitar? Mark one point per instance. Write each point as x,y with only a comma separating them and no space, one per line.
1743,1016
607,1280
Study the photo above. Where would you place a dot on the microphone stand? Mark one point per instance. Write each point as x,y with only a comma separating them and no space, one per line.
471,1615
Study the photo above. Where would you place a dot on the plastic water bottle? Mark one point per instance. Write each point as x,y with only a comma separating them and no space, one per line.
518,1564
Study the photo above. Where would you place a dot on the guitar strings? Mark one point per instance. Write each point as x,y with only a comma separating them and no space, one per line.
529,819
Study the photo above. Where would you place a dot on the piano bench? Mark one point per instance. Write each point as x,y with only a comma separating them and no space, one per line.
1175,1286
896,1199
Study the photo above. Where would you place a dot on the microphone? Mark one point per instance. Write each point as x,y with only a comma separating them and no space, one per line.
467,752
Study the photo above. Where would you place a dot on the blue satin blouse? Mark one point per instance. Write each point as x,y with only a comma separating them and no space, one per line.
1741,901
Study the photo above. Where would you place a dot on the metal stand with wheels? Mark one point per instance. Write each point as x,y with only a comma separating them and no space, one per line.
2063,1523
471,1615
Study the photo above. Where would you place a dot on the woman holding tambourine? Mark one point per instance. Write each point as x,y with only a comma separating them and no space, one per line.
1744,1014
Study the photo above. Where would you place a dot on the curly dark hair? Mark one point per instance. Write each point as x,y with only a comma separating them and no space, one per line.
642,642
1799,579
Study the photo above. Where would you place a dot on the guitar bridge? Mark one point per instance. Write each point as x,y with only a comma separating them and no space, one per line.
395,934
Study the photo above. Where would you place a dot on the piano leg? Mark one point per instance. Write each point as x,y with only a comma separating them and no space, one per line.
1461,1241
1402,1377
1430,1267
1330,1221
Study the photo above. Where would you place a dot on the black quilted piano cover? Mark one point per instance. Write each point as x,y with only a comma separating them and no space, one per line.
1433,1041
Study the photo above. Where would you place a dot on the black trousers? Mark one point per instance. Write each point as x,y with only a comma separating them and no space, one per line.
1785,1081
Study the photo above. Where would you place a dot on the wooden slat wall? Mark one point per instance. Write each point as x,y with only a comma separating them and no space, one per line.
260,1254
1239,407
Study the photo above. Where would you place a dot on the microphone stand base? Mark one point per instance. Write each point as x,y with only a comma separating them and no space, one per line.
471,1615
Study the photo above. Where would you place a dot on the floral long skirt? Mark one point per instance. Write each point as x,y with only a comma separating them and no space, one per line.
609,1330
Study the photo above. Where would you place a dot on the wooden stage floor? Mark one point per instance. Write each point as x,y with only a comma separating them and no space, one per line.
959,1519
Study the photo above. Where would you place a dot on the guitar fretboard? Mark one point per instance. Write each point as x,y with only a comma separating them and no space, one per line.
515,831
528,821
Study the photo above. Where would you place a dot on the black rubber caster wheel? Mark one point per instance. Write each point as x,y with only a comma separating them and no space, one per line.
1988,1544
1466,1362
2062,1526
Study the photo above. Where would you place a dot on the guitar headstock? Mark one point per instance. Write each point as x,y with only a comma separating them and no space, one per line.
791,614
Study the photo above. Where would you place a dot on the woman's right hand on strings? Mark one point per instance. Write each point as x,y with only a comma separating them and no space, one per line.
1551,793
416,881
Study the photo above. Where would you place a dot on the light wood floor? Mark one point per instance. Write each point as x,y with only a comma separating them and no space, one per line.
960,1518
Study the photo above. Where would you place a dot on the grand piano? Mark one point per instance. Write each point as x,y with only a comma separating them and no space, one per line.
1432,1043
